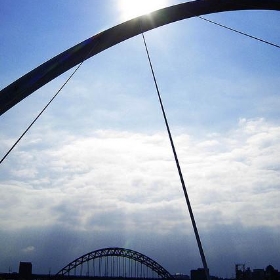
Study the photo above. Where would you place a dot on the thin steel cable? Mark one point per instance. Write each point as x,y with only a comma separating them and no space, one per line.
239,32
235,30
202,255
37,117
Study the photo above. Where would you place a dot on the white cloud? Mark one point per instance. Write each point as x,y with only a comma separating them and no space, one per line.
28,249
112,178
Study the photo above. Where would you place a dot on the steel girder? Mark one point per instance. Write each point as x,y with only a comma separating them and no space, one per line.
118,252
59,64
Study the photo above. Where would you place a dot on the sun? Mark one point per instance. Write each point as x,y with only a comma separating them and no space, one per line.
134,8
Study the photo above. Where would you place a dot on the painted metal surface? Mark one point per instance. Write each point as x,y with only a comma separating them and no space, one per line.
59,64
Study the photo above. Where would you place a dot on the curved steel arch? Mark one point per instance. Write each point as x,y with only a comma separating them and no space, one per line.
59,64
118,252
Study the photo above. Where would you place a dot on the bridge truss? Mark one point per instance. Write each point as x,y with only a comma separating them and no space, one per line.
114,263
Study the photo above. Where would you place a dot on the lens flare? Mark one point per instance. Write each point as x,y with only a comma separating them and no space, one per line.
133,8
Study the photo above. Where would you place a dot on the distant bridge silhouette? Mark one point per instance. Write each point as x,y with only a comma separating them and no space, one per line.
114,263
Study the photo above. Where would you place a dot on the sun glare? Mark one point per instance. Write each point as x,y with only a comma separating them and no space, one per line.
134,8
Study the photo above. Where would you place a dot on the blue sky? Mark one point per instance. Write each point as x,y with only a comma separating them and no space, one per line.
97,169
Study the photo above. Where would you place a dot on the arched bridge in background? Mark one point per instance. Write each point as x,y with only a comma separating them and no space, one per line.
30,82
114,263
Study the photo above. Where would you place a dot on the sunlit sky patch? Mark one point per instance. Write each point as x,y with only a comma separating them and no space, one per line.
133,8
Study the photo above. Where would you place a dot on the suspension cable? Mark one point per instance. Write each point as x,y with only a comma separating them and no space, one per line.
202,255
239,32
42,111
201,251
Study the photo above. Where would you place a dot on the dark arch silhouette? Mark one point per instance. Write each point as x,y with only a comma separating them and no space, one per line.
118,252
59,64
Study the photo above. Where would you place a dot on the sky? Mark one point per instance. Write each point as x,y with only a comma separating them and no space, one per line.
97,170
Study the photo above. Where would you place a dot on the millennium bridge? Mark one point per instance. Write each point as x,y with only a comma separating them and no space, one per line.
113,263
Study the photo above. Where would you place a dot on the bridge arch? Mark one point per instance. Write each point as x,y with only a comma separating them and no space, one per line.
123,263
59,64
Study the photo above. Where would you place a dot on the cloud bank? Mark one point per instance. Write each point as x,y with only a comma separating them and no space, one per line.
123,187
